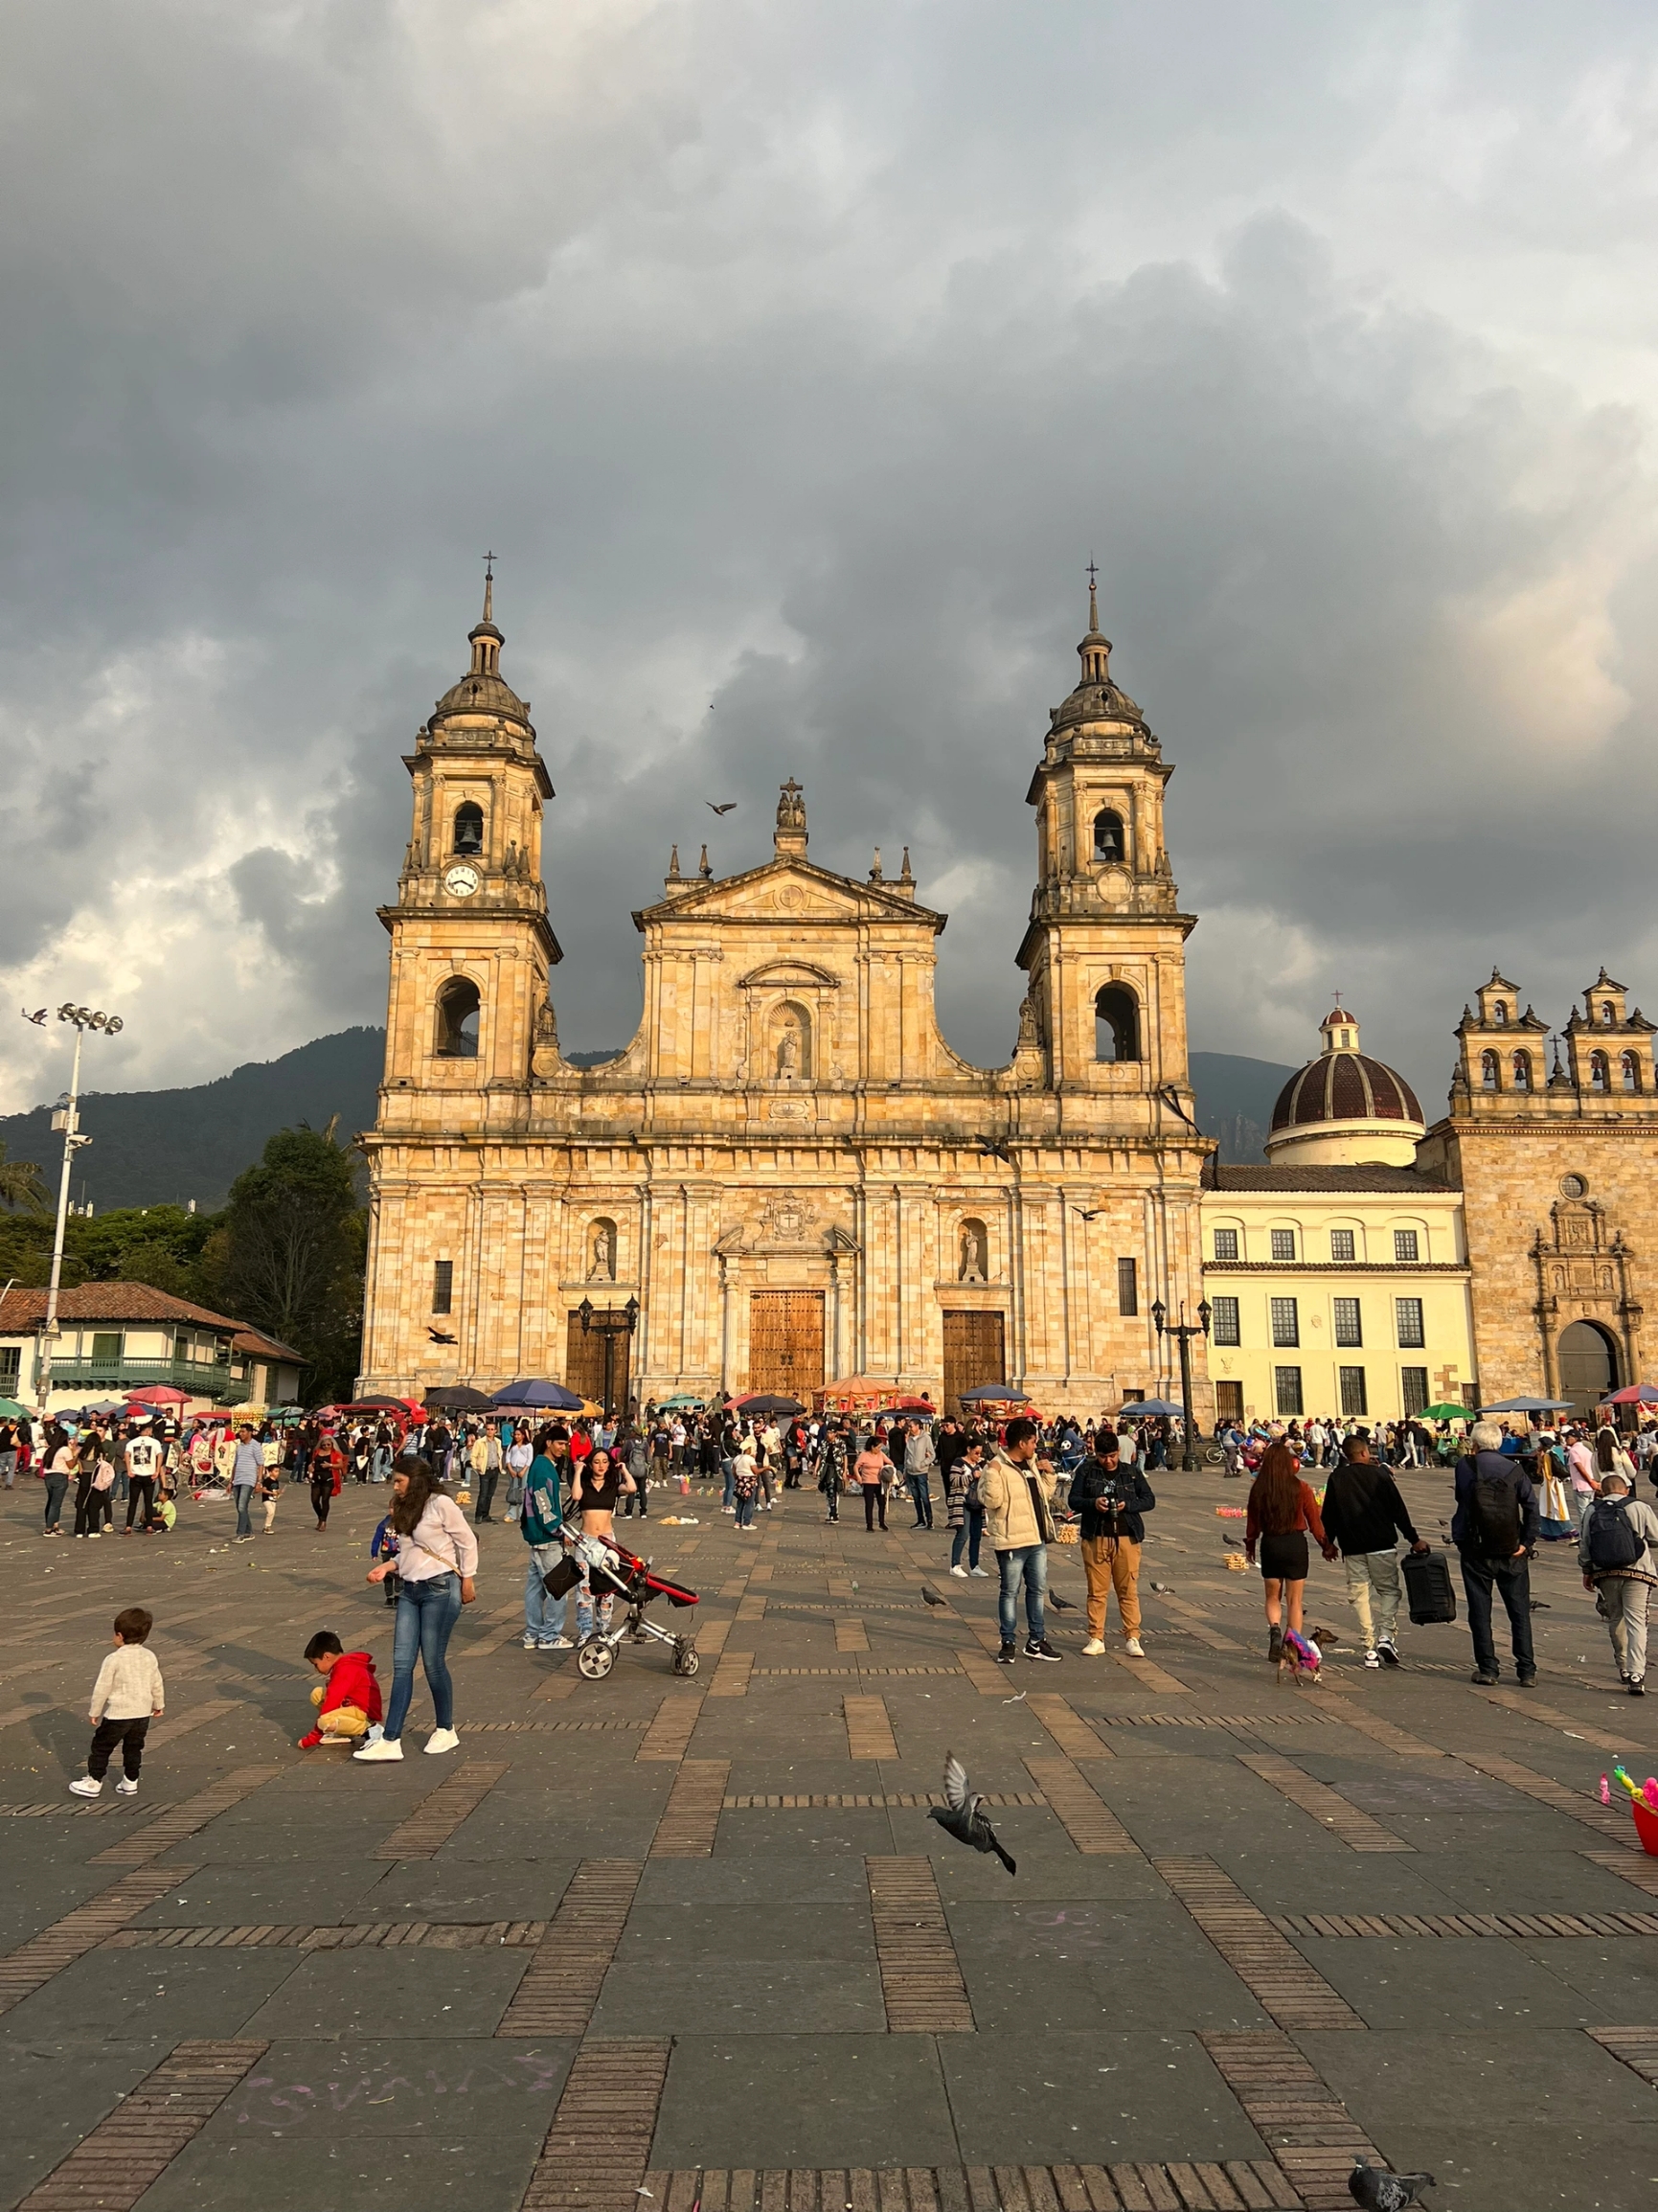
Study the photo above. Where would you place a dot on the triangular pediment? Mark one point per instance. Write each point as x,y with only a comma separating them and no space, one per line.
784,890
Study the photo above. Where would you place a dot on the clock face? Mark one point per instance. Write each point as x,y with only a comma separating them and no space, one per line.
463,881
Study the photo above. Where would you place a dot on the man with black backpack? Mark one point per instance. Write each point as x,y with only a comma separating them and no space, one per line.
1493,1528
1614,1550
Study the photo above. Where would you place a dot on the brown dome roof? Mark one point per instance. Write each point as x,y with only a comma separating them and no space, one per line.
1344,1087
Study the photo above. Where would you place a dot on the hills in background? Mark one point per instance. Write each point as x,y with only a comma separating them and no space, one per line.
166,1146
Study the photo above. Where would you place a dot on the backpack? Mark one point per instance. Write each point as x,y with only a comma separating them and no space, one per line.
1493,1515
1612,1541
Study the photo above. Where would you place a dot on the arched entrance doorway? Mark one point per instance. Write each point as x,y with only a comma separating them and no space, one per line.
1588,1359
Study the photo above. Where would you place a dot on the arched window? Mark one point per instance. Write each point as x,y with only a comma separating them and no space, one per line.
1630,1070
1489,1077
1116,1024
1499,1014
1600,1078
1110,842
1522,1071
458,1010
470,828
1606,1015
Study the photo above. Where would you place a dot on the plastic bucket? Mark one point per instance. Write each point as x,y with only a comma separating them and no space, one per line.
1646,1827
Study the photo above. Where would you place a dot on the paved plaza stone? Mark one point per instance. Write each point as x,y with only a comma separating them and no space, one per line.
664,1944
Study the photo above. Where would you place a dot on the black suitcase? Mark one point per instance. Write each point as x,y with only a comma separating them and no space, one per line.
1429,1588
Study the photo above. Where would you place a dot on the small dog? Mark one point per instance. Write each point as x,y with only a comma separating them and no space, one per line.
1299,1656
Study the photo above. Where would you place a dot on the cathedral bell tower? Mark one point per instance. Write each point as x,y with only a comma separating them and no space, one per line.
1105,945
471,946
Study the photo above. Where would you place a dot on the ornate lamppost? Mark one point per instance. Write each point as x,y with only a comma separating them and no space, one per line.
1183,1332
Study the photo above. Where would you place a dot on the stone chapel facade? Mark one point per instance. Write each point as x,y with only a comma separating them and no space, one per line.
788,1178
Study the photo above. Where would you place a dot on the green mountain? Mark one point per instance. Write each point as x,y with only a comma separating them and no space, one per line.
156,1148
1235,1102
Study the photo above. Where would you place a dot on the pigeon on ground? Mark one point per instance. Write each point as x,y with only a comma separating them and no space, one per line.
964,1816
932,1596
1540,1606
1164,1590
1379,2191
1061,1605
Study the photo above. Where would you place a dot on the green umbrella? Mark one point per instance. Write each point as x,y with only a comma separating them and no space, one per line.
1446,1412
11,1412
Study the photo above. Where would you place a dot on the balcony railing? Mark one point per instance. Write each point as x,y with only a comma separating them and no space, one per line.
200,1377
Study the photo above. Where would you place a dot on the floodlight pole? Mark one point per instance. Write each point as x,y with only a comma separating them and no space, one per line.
66,1119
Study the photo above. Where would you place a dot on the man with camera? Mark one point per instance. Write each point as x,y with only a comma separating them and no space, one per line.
1112,1499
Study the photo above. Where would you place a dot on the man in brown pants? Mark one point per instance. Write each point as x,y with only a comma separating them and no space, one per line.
1113,1500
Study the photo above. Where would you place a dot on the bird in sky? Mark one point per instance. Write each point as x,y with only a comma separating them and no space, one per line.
37,1018
963,1814
1088,1213
998,1151
439,1338
727,807
1379,2191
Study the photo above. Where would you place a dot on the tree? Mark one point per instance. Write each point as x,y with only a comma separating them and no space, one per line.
292,1254
21,1184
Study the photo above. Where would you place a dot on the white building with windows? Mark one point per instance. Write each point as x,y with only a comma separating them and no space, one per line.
1337,1274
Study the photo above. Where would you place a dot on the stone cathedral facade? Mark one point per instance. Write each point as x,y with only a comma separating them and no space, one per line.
788,1178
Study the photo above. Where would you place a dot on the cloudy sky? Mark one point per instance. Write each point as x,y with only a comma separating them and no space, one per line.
794,357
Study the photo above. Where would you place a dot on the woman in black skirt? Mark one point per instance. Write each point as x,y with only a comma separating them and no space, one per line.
1283,1513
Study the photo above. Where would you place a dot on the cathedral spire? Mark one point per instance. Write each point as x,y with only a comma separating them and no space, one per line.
1095,649
484,638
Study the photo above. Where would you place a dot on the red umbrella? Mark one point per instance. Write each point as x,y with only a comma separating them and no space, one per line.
1636,1394
162,1394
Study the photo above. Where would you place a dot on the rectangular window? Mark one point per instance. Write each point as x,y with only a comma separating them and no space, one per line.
1348,1323
106,1350
1226,1243
1224,1321
1405,1248
1409,1314
1414,1388
1341,1245
1285,1321
1284,1244
442,1287
1128,1286
1352,1398
11,1369
1286,1390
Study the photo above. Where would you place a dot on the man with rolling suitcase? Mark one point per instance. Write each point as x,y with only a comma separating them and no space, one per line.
1495,1528
1364,1517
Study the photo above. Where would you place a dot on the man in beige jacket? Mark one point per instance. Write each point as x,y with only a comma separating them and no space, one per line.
1020,1526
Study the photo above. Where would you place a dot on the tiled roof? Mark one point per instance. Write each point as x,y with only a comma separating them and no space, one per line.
25,1309
1217,1177
263,1347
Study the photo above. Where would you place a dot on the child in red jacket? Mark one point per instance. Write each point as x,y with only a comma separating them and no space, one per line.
348,1696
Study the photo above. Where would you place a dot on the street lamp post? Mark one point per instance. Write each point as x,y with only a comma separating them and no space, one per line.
610,1326
1183,1332
83,1019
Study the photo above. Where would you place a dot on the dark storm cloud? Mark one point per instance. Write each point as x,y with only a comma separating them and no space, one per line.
795,360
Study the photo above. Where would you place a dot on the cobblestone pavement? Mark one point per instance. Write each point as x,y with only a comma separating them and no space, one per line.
657,1944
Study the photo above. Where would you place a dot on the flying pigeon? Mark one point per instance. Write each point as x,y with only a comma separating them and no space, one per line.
728,807
437,1337
1088,1213
964,1816
932,1596
999,1151
1379,2191
36,1019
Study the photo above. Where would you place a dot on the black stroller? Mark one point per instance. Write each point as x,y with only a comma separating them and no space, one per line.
612,1571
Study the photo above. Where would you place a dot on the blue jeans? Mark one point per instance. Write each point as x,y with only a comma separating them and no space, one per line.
1028,1565
728,1474
426,1613
543,1616
921,1499
242,1492
968,1537
745,1508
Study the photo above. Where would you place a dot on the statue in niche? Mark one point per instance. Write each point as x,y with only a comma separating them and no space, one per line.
789,1052
975,1258
546,1026
601,1258
1029,1032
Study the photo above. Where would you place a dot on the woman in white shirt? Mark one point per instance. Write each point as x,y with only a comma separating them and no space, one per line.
437,1559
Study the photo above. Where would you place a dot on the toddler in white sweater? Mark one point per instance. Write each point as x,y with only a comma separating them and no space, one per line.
126,1698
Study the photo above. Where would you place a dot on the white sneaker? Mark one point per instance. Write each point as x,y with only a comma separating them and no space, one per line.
388,1747
1093,1648
1134,1647
375,1732
1370,1659
559,1644
84,1787
983,1573
125,1789
442,1740
959,1572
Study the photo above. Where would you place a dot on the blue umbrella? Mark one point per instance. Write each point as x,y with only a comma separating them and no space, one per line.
993,1394
552,1396
1531,1405
1161,1406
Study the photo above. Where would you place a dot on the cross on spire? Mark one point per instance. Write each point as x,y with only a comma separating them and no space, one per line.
488,586
1093,599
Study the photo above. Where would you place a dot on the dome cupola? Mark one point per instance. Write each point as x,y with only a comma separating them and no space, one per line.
1343,1108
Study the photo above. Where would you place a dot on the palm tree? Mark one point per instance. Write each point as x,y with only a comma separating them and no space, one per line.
21,1184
